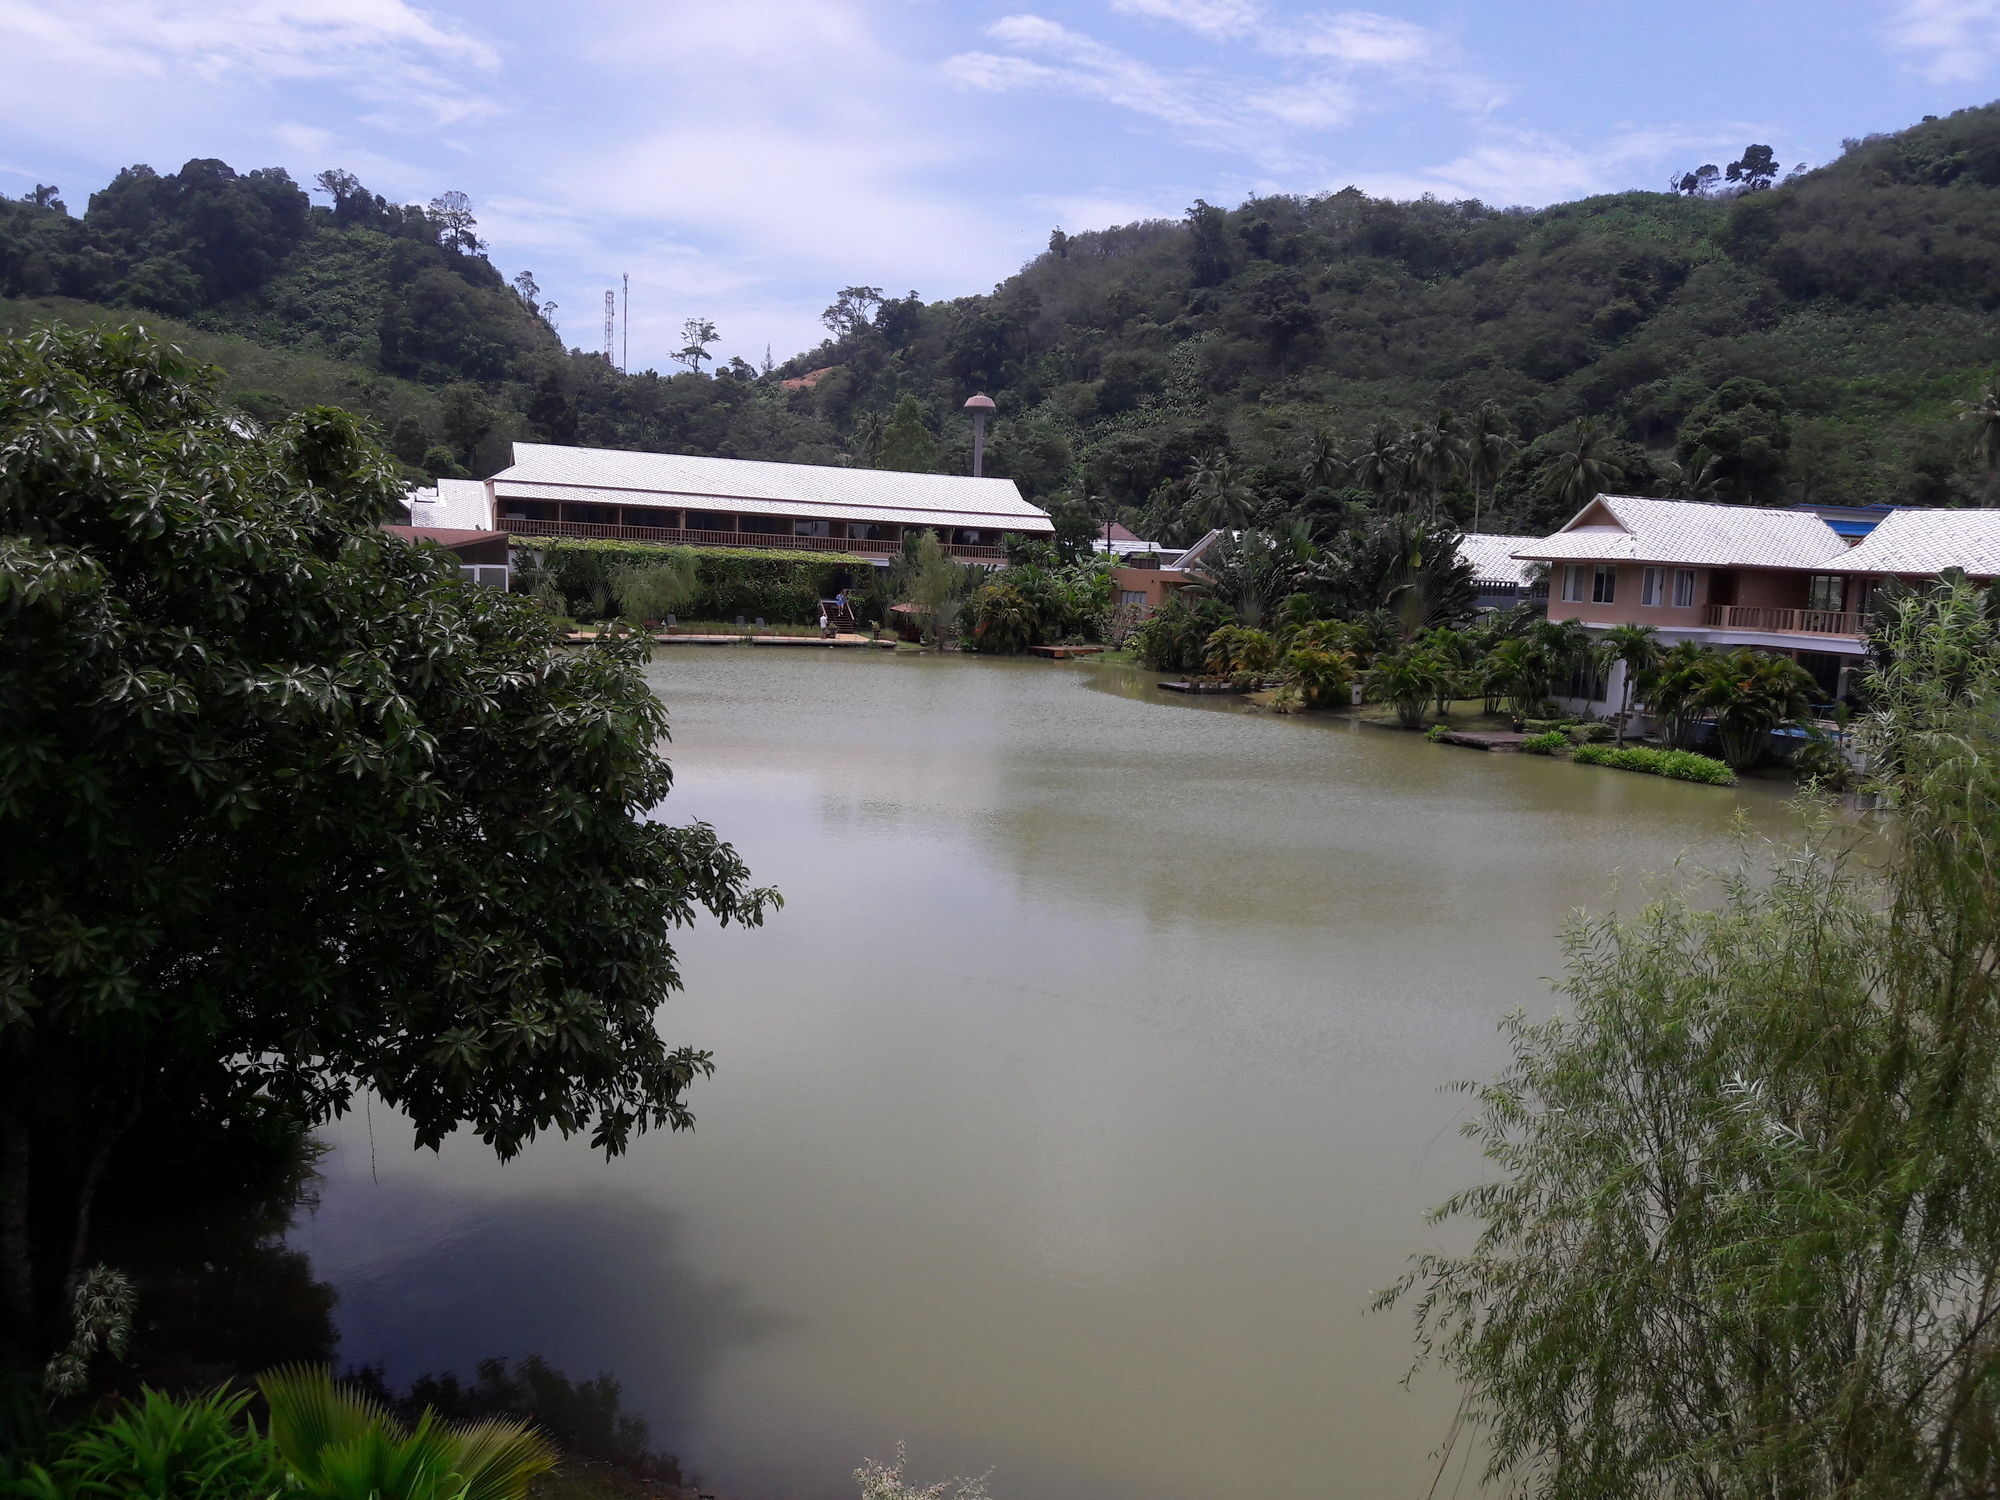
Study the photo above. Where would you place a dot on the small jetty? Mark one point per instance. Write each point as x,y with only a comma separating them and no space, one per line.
1063,653
1203,687
1482,739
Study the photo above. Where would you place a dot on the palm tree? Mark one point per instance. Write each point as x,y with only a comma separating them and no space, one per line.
1322,466
1379,463
1750,695
1584,464
1408,679
1676,686
1320,675
1489,449
1637,649
1218,499
1438,452
1984,415
342,1445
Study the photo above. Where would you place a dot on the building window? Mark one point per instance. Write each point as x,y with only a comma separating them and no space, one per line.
1684,588
1132,597
1826,591
1653,587
1604,584
1573,583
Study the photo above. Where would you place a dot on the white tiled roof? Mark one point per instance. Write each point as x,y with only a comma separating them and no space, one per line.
751,486
1929,541
809,510
1692,533
1492,556
453,505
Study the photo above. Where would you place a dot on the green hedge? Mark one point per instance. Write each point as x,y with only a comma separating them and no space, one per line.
1546,744
1679,765
778,585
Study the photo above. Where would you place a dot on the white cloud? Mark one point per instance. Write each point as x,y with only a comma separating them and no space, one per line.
1359,38
1532,167
1321,105
1331,68
1960,39
1084,67
1080,211
1212,18
391,53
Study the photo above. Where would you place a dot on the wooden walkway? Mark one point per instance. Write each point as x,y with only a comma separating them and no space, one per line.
1063,653
1483,739
750,637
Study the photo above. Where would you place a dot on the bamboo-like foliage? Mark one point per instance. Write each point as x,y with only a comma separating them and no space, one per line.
1746,1237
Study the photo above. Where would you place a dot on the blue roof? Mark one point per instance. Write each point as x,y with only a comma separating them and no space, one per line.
1850,521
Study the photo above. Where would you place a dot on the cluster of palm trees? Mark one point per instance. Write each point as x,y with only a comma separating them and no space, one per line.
1411,467
1511,657
1520,661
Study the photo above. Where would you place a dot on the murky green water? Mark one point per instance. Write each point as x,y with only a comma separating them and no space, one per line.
1067,1116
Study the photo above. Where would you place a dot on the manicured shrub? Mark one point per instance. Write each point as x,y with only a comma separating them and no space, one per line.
780,586
1588,734
1677,765
1547,726
1546,743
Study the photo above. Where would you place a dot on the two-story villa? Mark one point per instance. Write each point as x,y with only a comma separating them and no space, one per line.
1794,582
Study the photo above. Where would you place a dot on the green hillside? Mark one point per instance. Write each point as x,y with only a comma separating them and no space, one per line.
1802,339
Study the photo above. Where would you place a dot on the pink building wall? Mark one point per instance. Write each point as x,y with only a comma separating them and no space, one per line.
1625,608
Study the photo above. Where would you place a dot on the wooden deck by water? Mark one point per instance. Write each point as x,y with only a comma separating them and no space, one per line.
1483,739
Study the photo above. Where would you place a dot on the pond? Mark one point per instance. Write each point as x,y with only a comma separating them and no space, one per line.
1067,1117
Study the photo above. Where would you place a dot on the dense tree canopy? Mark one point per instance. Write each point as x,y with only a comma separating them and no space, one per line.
288,811
1849,306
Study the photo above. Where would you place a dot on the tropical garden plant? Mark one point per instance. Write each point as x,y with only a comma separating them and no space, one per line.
1750,694
1744,1233
1408,680
321,1441
1637,649
1675,688
1244,655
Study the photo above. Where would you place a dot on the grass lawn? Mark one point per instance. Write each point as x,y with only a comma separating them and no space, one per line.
1465,713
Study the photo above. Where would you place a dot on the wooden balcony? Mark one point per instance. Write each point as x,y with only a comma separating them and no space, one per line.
1784,621
682,536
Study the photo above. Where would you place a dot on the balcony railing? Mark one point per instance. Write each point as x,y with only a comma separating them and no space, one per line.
683,536
1785,621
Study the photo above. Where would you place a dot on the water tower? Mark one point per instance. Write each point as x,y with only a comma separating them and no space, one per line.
979,406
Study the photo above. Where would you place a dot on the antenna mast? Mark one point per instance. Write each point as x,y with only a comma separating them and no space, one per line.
625,355
610,311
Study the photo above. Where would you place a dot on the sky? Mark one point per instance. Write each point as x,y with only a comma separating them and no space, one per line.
742,160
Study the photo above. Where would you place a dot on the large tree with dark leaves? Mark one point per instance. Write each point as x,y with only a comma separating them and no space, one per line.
288,812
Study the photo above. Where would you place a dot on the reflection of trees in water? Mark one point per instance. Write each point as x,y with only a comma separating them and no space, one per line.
432,1277
197,1214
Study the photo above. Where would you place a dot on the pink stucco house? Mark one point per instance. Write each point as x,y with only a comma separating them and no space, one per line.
1796,582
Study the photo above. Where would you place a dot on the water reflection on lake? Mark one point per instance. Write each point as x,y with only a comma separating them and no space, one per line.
1067,1116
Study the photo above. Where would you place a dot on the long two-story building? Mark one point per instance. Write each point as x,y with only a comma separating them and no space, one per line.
550,490
1797,582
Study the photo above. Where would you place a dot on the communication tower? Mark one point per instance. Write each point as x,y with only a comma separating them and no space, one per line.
610,315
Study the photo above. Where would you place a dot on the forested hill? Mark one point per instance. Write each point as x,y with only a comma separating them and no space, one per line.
1755,340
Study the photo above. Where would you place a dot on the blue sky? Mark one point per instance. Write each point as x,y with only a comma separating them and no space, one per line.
744,159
